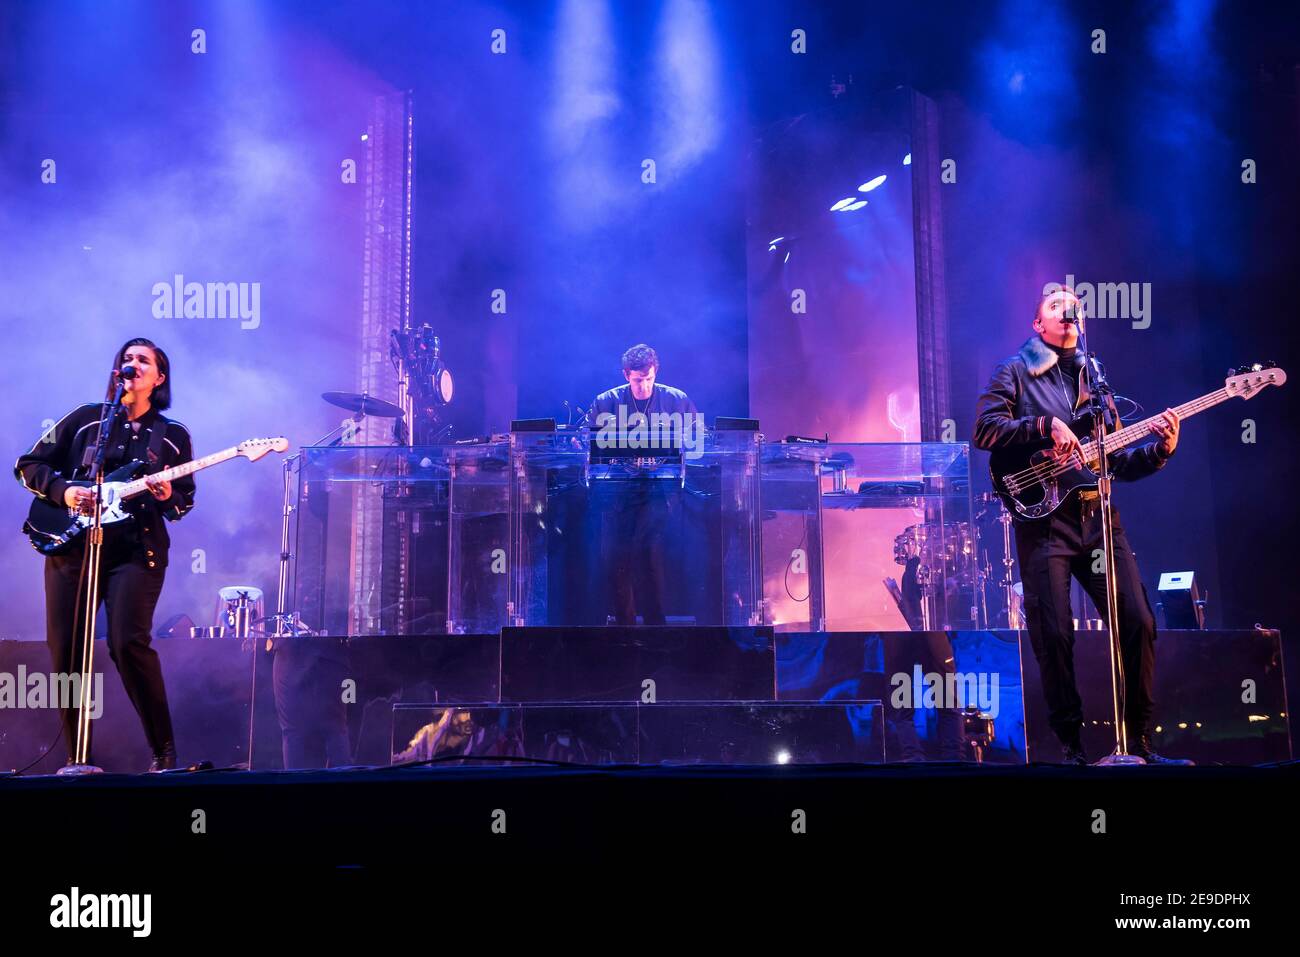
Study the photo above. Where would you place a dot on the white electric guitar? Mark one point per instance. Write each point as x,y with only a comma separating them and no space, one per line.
53,527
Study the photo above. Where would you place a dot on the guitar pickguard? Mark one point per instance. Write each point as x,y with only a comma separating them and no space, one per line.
112,511
1035,498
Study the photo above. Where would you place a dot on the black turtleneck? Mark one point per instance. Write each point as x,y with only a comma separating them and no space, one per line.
1066,353
1066,371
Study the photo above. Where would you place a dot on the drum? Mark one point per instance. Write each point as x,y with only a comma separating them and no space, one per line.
947,548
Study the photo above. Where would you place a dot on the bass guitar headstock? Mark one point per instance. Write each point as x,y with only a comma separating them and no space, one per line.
1247,381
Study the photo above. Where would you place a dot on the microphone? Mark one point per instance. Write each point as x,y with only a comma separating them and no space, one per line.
127,372
1071,315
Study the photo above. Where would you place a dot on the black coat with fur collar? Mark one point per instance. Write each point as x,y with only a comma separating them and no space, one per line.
1023,396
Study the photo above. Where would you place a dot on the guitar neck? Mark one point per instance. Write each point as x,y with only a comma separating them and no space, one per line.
180,471
1141,430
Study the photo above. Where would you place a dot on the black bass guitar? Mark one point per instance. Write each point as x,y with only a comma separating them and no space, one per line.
53,527
1034,483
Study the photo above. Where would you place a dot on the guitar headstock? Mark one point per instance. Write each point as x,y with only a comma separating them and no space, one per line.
1248,380
254,449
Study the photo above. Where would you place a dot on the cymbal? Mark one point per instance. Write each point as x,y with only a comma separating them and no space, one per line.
363,403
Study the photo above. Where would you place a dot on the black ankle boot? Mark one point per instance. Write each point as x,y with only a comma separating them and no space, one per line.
1142,749
165,759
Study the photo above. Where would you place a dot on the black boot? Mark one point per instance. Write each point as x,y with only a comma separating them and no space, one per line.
1073,746
1142,749
1074,755
165,759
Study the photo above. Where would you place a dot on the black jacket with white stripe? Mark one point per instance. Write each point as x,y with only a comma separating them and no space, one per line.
1028,390
58,458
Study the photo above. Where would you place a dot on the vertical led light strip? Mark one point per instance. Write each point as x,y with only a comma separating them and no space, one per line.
386,305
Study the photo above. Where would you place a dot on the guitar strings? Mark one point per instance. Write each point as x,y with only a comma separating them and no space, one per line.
1115,439
1054,467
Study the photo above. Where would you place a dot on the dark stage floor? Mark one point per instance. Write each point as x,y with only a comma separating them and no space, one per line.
1008,841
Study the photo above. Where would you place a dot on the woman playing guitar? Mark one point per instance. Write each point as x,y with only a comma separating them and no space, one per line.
134,558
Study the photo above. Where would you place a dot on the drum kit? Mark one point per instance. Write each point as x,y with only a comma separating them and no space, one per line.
425,390
360,404
954,557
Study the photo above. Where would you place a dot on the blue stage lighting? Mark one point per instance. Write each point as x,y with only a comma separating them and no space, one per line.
871,184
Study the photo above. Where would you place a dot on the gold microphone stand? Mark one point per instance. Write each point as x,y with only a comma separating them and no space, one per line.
94,545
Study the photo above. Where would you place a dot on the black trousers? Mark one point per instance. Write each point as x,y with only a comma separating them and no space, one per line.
129,590
636,522
308,676
932,650
1050,552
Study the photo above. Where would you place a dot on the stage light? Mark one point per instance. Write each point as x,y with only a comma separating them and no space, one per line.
773,242
786,259
843,203
583,102
364,137
1028,77
858,205
871,184
783,757
688,83
907,160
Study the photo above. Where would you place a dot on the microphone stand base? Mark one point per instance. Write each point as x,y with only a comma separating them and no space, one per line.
78,770
1119,760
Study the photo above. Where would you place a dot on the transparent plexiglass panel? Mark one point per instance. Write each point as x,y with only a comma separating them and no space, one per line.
869,537
532,529
399,540
667,539
661,734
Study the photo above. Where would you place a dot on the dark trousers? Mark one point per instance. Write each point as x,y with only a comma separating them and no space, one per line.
129,591
636,528
932,650
308,676
1050,551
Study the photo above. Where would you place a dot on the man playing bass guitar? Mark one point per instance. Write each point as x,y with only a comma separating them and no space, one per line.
1031,399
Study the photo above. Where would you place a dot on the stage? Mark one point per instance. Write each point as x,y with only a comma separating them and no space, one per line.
663,473
864,847
671,695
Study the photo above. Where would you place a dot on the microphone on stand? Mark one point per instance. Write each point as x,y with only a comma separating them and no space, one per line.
127,372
